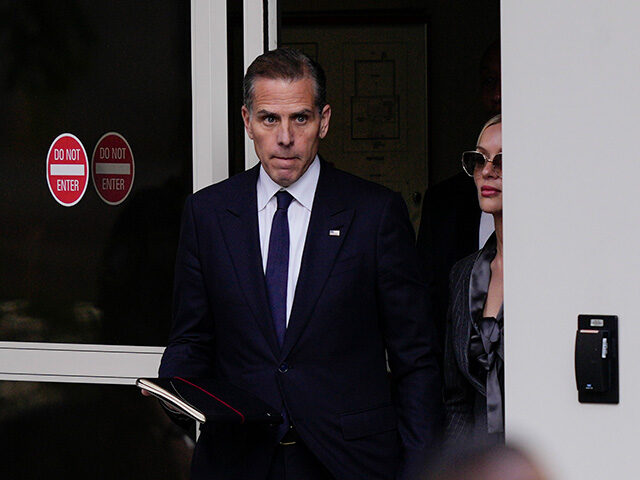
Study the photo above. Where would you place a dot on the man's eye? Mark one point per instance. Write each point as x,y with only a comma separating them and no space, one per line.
270,119
301,118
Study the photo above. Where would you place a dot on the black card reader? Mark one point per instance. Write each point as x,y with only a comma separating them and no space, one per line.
596,359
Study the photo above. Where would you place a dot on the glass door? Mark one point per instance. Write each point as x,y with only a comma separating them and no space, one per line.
112,117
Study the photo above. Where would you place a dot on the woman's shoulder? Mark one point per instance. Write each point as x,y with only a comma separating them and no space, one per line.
459,276
464,265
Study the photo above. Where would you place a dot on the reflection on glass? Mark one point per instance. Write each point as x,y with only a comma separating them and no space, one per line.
93,272
71,431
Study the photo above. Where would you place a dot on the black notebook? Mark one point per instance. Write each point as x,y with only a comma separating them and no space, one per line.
207,400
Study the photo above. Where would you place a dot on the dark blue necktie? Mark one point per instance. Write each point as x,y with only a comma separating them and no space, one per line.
278,265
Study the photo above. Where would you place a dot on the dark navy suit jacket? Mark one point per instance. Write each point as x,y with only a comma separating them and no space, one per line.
359,294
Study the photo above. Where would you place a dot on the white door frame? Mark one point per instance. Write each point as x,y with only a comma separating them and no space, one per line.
257,41
115,364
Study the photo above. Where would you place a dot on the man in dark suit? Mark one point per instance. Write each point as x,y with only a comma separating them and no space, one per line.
297,282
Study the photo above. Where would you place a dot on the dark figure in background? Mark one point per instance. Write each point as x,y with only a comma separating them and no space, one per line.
474,349
452,225
490,84
309,338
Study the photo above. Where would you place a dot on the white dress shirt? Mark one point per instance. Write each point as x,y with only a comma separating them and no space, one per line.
303,192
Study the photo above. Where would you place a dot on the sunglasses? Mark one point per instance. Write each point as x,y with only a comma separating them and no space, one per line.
472,160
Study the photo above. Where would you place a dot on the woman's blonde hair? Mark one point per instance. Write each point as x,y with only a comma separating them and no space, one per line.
492,121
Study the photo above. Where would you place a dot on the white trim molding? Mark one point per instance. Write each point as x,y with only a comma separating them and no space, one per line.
77,363
255,41
272,24
209,92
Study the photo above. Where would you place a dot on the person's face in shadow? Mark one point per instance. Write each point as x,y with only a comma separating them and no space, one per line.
490,82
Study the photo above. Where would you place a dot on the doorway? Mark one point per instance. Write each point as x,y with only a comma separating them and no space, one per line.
376,82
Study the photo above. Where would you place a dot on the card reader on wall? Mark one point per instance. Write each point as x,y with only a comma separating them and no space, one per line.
596,359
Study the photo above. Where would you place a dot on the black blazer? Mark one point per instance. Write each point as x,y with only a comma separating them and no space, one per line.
358,295
459,385
464,393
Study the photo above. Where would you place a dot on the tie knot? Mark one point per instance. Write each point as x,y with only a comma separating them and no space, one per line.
284,199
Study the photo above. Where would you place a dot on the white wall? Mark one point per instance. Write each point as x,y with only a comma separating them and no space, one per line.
571,106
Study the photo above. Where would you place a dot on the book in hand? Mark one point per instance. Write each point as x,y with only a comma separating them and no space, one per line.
208,400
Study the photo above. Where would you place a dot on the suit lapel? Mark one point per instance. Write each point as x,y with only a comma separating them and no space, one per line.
329,214
239,224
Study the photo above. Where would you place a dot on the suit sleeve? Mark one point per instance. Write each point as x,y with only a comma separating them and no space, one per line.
191,340
411,343
458,393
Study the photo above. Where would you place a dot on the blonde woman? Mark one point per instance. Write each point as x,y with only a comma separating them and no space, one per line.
474,350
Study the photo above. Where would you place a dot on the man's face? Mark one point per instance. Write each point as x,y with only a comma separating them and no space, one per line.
285,126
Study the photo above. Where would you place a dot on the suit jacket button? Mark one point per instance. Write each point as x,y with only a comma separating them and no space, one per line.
283,368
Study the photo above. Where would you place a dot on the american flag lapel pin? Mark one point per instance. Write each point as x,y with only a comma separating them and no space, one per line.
334,233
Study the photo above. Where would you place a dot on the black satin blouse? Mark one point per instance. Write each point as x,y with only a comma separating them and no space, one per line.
486,344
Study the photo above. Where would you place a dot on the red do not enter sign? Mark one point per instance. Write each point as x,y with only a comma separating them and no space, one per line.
67,169
112,168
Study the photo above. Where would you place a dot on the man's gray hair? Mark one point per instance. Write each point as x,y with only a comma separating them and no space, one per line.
285,64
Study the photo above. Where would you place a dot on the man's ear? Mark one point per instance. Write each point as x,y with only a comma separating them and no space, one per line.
246,117
325,116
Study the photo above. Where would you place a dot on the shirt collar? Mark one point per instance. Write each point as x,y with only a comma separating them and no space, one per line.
302,190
